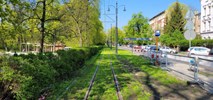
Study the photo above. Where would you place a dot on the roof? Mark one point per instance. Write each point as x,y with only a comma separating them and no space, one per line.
157,15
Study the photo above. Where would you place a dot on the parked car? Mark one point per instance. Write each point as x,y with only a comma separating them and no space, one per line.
168,50
211,52
147,47
67,48
198,51
189,49
153,48
152,52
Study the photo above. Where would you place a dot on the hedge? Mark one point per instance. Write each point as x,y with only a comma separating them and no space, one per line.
28,76
184,44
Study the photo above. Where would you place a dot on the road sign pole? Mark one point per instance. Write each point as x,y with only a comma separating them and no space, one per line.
157,34
156,62
156,38
132,46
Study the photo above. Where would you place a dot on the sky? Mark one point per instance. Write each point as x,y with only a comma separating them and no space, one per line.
149,9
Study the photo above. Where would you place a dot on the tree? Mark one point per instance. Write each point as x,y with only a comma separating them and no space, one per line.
50,21
174,18
173,39
111,35
138,27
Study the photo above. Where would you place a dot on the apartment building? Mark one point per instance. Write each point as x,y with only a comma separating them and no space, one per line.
207,19
158,21
197,20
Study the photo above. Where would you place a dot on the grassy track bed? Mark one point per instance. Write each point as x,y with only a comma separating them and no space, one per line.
104,86
138,80
77,85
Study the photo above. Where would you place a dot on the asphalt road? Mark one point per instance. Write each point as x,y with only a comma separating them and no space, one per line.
208,57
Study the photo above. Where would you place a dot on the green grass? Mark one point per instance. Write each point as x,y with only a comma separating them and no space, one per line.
60,91
104,87
132,87
155,72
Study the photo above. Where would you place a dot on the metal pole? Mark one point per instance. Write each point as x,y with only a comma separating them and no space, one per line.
132,46
116,28
111,36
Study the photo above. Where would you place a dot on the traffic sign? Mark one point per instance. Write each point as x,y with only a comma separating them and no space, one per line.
190,35
157,33
134,39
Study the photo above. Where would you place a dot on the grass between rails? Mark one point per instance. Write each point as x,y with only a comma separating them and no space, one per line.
60,90
135,75
104,87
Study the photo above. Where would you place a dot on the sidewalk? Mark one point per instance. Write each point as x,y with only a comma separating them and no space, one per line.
180,70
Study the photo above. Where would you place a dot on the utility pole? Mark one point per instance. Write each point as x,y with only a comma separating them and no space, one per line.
116,27
111,36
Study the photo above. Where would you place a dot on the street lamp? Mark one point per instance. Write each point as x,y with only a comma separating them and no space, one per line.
116,28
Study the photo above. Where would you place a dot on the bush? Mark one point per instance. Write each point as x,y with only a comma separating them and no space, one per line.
28,75
184,44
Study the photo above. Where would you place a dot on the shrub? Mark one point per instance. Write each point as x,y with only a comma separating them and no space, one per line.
28,75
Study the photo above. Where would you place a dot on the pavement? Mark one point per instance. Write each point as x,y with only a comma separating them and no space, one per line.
180,69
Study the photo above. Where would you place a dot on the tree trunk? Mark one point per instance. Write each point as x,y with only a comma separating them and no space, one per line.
42,27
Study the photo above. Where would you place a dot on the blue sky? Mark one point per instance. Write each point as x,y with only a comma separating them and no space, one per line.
149,8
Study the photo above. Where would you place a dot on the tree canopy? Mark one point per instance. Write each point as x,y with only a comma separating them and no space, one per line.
138,26
175,18
72,22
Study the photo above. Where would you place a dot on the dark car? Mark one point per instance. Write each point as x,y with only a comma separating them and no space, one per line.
153,48
211,52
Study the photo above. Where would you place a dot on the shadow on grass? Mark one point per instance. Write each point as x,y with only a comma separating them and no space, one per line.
154,84
147,81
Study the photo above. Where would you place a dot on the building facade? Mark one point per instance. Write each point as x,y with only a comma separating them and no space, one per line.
158,22
207,19
197,20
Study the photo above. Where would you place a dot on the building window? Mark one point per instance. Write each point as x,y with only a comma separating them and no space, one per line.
204,24
204,11
209,25
209,10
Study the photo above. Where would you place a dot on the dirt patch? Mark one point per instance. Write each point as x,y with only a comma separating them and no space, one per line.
167,92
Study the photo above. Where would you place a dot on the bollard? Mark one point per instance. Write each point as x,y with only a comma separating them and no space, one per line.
166,58
195,63
196,69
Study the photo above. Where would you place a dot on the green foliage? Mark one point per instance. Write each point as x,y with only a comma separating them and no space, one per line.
75,23
184,44
138,27
175,18
111,35
28,76
173,39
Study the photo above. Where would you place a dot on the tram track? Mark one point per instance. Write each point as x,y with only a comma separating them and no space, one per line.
94,79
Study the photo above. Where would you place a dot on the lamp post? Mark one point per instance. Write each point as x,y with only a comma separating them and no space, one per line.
116,27
111,36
